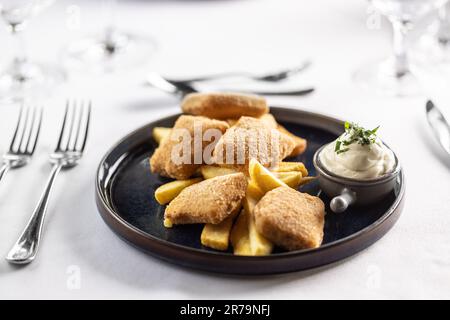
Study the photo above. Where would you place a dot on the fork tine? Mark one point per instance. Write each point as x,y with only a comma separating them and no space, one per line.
38,130
19,120
30,131
24,128
79,123
88,119
72,122
58,146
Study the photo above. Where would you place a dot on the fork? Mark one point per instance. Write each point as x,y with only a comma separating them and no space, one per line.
181,89
24,140
68,152
269,77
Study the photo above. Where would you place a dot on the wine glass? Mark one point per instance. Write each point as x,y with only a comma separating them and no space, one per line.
110,50
434,46
393,76
23,78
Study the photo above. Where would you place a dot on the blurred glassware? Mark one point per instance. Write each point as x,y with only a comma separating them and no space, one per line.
23,78
434,46
111,50
393,76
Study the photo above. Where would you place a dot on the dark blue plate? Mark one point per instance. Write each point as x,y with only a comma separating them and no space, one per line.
125,188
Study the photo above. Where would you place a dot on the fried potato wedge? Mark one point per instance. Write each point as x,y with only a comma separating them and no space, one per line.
286,166
217,236
263,178
254,191
239,236
167,192
168,223
307,180
159,133
259,245
209,172
249,204
293,178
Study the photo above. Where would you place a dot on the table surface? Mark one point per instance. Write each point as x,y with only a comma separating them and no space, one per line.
80,257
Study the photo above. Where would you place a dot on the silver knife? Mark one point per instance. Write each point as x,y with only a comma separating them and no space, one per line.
439,126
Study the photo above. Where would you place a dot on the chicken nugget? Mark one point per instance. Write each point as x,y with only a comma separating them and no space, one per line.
251,138
290,219
224,105
163,161
300,143
209,201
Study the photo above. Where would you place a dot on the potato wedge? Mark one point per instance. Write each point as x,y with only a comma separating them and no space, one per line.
249,204
293,178
306,180
265,180
239,236
160,133
254,191
259,245
217,236
291,166
168,223
167,192
209,172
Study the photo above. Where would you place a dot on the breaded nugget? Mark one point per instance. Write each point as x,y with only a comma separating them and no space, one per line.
251,138
162,161
224,105
231,122
269,120
290,219
300,143
209,201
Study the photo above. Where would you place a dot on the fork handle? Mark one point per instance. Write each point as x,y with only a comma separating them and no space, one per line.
3,169
26,247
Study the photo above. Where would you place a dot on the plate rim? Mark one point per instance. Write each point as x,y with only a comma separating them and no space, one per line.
105,209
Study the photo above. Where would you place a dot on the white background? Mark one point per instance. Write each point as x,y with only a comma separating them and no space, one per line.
195,37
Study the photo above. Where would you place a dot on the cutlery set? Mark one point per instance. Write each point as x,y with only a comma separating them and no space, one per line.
182,87
69,150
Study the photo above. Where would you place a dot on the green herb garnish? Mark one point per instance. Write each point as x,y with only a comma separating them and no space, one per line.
355,134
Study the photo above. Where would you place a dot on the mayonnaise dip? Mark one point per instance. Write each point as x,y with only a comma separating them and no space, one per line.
359,161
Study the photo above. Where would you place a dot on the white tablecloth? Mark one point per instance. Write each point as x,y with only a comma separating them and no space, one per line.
81,257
